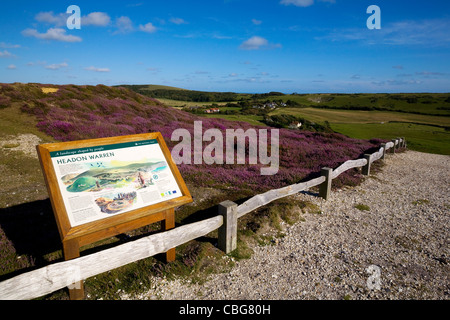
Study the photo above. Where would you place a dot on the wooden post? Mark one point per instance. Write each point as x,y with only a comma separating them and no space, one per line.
325,187
71,250
167,224
383,145
393,148
228,231
366,168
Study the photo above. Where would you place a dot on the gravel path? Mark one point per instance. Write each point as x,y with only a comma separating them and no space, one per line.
398,249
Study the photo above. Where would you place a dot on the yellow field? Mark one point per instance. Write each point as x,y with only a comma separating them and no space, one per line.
49,90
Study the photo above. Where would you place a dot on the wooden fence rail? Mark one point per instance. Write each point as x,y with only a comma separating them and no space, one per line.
56,276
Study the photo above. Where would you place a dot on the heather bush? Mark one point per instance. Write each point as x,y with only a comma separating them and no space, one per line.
85,112
4,102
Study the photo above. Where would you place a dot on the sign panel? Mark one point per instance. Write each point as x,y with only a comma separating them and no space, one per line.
101,181
102,185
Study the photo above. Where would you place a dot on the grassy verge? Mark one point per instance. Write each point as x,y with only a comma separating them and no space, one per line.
419,137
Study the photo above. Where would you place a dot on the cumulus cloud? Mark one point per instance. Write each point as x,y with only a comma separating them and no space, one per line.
303,3
49,17
56,34
11,67
9,45
56,66
100,19
6,54
124,25
256,43
178,21
95,69
298,3
149,28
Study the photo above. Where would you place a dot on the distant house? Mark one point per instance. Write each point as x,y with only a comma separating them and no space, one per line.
295,125
212,110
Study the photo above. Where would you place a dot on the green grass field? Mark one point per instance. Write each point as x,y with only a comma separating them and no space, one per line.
424,133
357,116
422,138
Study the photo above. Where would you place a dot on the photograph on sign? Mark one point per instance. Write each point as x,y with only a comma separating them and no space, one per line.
102,181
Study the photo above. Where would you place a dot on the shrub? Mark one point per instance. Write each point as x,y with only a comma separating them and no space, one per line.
109,112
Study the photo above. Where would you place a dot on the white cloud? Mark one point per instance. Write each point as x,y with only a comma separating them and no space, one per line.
49,17
56,66
178,21
9,46
56,34
389,83
6,54
124,25
430,73
256,43
12,67
303,3
431,32
95,69
149,28
298,3
256,22
100,19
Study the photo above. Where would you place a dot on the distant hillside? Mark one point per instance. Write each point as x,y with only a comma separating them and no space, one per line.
172,93
148,87
83,112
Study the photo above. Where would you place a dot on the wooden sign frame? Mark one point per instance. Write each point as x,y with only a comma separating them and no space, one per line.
75,236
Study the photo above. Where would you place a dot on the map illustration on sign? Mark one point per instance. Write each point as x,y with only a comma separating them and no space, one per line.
107,176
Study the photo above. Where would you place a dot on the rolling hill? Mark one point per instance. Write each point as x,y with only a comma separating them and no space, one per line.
84,112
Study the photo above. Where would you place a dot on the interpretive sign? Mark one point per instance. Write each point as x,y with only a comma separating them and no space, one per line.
98,179
103,187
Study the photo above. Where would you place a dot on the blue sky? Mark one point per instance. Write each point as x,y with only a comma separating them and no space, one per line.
303,46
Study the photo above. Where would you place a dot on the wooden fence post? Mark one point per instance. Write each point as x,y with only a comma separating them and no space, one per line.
325,187
383,145
393,147
399,145
227,241
366,168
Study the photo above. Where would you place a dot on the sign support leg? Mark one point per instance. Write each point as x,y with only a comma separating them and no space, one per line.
167,224
71,249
